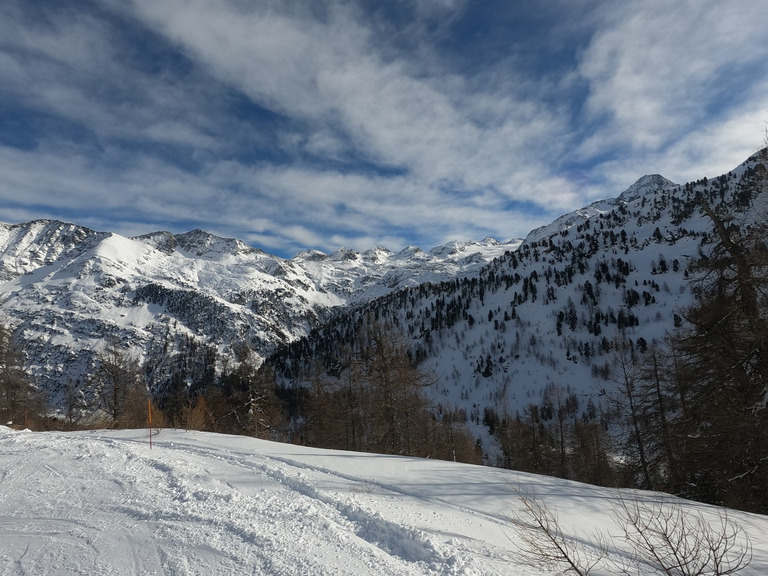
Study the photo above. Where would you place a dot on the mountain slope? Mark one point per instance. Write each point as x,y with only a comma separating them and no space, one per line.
500,324
68,291
547,319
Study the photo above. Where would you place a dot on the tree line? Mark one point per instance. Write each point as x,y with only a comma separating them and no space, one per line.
369,397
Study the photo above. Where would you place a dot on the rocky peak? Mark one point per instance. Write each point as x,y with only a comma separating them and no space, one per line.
646,185
202,243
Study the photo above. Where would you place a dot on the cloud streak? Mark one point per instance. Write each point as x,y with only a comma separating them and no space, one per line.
304,125
661,73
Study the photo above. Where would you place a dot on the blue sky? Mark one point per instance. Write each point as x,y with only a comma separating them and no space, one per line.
318,124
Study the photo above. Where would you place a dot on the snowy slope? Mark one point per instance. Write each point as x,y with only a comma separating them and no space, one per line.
102,503
645,186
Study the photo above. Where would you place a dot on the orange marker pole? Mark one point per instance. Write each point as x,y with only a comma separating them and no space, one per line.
149,412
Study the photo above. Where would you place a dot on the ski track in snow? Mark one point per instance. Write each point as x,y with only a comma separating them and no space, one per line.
101,503
117,508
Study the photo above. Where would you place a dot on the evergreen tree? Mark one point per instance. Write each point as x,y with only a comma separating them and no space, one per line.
723,363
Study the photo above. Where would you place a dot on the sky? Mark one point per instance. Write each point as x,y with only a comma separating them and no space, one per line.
296,124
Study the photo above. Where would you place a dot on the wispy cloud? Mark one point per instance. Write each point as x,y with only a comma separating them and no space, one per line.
660,75
295,124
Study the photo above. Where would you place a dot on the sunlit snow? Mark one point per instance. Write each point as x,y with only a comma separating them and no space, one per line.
102,502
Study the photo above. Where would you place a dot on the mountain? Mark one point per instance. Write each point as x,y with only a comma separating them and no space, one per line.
543,323
68,291
501,325
643,186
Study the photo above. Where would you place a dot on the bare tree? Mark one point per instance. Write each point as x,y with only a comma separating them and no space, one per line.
20,401
671,540
545,542
118,383
562,407
395,385
251,400
591,462
630,405
372,396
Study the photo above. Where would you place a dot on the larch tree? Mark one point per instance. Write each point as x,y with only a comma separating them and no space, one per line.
371,397
120,387
20,401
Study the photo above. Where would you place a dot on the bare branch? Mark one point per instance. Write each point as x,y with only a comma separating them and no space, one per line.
671,540
664,538
545,542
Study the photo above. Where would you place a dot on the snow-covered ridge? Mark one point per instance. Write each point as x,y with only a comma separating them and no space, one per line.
644,186
68,289
27,247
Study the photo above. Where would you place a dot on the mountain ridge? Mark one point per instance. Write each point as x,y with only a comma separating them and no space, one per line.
68,289
544,320
498,321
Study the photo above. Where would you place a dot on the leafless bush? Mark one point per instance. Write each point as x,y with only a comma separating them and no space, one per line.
544,542
664,538
671,540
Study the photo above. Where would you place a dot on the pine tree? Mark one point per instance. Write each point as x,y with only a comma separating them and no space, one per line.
723,361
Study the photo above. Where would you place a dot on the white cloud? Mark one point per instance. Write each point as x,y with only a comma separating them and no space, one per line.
330,72
71,66
656,68
476,140
289,208
460,150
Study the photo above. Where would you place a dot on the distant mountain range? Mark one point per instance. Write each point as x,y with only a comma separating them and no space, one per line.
498,323
68,291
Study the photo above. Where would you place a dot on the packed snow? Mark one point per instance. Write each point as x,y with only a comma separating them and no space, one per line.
103,502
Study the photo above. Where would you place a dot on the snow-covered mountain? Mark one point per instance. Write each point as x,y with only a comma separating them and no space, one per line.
500,324
68,290
544,320
645,185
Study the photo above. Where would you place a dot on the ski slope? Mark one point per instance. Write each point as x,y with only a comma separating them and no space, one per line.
102,502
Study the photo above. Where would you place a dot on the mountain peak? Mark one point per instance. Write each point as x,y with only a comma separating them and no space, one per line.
200,243
345,254
645,185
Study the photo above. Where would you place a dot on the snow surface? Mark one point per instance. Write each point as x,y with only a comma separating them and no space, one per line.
102,502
